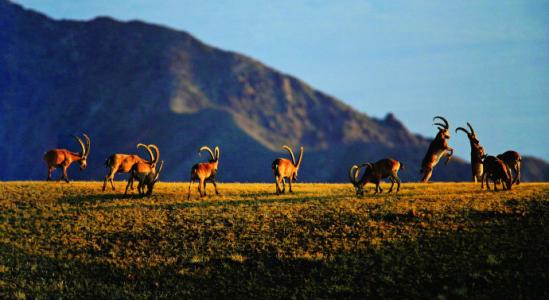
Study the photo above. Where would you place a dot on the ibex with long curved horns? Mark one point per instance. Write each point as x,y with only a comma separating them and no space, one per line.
284,168
437,149
143,168
63,158
146,175
205,171
122,163
384,168
477,152
512,160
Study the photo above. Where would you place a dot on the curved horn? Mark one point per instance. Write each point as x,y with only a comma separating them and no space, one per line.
472,130
291,153
148,150
159,170
217,152
207,149
300,158
88,143
462,129
443,120
353,174
81,145
157,152
440,125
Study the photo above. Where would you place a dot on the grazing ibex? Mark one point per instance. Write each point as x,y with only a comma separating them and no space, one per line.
385,168
512,159
496,170
146,176
477,152
205,171
63,158
143,168
122,163
437,149
284,168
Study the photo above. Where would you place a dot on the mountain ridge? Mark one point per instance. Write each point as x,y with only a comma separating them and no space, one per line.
130,82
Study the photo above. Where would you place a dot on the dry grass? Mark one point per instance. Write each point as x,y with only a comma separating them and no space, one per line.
434,240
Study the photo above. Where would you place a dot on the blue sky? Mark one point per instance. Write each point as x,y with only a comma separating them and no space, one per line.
486,62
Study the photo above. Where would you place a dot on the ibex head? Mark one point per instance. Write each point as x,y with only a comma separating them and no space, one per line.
83,161
214,155
443,129
471,135
354,173
294,162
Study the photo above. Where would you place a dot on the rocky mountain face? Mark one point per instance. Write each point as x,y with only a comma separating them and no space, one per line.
130,82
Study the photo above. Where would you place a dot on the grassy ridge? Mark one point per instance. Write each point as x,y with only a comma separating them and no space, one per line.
433,240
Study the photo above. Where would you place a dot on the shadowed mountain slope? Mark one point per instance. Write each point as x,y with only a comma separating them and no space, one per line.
130,82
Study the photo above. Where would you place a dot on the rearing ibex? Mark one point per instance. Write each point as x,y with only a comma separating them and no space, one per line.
477,152
437,149
63,158
284,168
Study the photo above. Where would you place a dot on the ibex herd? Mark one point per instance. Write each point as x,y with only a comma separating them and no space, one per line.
484,167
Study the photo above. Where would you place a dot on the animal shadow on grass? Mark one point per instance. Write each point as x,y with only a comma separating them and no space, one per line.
90,199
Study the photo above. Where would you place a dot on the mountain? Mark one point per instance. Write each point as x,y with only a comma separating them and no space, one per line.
130,82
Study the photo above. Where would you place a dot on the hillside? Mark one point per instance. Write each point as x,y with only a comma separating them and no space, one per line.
130,82
441,240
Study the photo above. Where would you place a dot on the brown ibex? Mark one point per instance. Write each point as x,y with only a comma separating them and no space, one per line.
512,159
205,171
141,169
496,170
477,152
146,176
385,168
122,163
284,168
437,149
63,158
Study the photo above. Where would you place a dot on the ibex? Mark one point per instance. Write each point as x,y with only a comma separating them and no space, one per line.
284,168
385,168
512,159
122,163
496,170
477,152
146,176
205,171
63,158
437,149
142,169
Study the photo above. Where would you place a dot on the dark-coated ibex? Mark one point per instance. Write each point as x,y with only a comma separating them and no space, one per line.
63,158
143,168
122,163
512,159
205,172
385,168
147,177
477,152
496,170
284,168
437,149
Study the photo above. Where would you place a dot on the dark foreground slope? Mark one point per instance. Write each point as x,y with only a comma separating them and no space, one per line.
130,82
441,240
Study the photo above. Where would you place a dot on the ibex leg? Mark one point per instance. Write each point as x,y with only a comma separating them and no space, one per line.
215,186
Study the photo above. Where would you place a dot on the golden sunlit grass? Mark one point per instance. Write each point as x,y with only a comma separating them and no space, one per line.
430,240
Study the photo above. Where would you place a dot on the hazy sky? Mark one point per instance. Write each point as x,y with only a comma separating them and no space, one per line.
486,62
